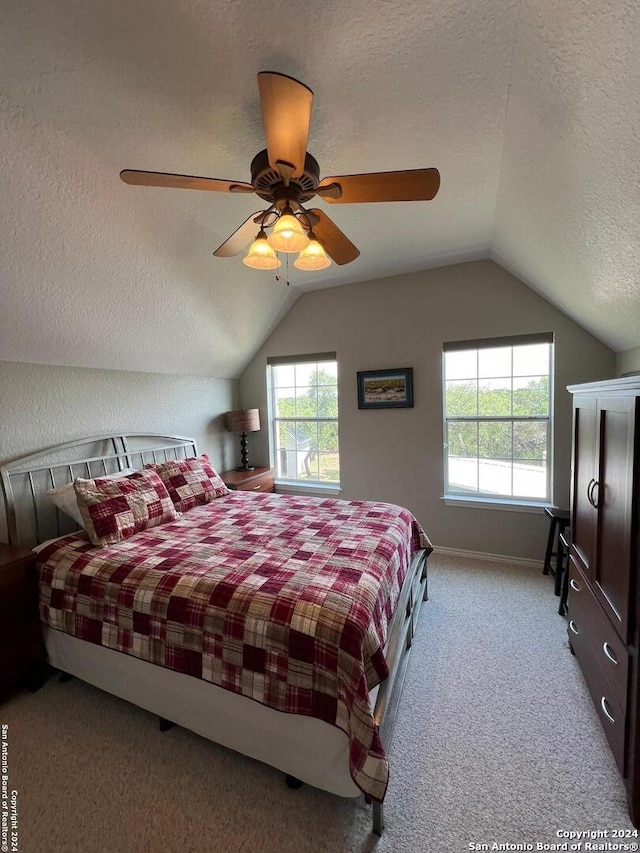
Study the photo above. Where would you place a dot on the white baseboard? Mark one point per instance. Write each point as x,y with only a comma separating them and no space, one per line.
494,558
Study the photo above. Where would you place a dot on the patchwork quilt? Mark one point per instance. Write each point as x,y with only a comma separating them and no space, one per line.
284,599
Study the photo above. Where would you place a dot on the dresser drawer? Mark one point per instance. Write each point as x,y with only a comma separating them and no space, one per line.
607,647
611,713
252,480
264,483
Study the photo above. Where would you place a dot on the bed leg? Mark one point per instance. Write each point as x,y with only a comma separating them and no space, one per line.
293,782
378,819
165,725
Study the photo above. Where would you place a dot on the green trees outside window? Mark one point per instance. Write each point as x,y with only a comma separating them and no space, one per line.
305,421
497,421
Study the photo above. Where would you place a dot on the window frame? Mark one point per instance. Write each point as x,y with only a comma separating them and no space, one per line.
487,499
290,483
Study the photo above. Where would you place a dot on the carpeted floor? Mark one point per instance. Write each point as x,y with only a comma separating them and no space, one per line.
496,741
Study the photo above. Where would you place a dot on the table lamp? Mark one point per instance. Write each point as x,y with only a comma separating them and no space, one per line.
243,421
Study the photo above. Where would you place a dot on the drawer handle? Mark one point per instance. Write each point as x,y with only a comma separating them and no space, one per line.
574,585
256,488
605,707
606,648
572,625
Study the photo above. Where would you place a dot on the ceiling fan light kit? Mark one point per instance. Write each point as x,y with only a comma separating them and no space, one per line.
313,257
261,256
286,176
288,235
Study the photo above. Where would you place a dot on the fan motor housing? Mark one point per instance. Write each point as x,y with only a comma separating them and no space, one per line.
264,177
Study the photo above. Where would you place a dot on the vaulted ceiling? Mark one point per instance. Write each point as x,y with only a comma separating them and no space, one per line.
530,109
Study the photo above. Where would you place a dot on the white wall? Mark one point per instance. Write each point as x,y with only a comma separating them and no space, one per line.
397,455
628,361
43,405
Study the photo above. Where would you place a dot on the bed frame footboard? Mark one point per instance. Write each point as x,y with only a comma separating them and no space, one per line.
401,632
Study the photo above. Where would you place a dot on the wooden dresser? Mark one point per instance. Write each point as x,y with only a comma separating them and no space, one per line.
22,655
604,593
256,480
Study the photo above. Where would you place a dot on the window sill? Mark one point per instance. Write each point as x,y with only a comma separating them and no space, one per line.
495,503
291,487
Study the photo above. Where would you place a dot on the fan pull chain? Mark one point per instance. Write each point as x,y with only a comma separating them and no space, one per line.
279,278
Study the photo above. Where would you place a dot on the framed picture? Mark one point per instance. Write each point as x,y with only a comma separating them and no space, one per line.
385,389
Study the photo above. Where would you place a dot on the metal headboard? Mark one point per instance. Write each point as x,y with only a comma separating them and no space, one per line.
32,518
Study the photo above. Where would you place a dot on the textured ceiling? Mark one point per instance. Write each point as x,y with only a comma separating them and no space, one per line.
529,109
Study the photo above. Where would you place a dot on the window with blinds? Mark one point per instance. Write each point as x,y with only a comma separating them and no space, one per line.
498,417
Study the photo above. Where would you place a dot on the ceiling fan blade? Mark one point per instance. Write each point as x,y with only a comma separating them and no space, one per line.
336,244
240,238
183,182
410,185
286,116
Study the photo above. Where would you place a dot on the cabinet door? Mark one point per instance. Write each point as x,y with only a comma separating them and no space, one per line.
612,496
584,515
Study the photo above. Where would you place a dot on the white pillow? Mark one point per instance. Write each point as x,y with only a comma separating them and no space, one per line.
64,497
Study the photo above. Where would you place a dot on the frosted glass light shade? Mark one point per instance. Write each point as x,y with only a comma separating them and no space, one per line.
261,256
313,257
288,235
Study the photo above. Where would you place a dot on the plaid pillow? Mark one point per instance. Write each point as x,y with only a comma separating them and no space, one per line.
113,510
190,482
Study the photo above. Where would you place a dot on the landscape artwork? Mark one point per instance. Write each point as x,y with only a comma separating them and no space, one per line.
385,389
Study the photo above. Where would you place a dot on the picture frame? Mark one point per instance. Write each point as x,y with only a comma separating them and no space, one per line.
385,389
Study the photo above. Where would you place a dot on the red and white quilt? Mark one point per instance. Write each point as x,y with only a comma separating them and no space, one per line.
283,599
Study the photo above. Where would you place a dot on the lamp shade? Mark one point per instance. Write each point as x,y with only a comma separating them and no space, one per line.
261,256
244,420
313,257
288,235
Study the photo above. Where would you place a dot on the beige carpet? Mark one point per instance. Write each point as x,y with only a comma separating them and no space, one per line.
496,740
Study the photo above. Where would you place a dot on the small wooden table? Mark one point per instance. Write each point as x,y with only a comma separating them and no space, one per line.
560,520
22,653
256,480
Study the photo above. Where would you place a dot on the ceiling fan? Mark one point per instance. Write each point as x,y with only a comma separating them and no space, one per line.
286,176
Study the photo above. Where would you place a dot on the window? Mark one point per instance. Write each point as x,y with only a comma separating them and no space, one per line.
497,418
303,410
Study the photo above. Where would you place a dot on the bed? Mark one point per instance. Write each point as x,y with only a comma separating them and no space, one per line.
275,625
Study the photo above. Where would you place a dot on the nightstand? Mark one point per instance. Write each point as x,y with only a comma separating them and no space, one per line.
22,654
258,480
